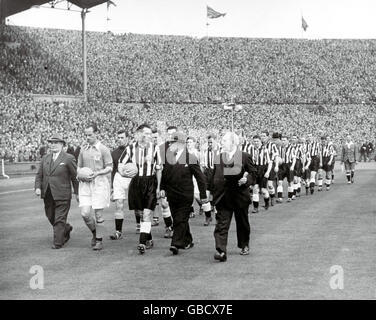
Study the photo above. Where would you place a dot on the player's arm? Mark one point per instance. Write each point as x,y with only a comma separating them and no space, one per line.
107,163
39,178
72,167
270,164
293,151
158,168
200,178
114,167
308,161
251,169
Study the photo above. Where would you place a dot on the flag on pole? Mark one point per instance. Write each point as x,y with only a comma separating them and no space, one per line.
304,24
109,3
212,14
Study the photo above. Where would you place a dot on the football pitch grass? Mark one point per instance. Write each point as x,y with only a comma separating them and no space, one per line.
292,250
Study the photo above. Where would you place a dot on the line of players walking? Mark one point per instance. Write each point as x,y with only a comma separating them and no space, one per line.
144,173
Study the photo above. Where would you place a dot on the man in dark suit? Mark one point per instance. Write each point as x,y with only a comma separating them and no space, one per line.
53,184
234,172
177,186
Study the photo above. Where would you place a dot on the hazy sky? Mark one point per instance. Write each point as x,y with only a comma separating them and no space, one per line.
244,18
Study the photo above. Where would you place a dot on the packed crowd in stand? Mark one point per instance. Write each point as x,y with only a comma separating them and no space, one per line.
298,86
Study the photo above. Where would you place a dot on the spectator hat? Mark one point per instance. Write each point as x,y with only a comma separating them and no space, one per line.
275,135
56,138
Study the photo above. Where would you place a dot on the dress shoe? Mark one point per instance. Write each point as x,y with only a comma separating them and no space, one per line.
220,256
54,246
255,210
174,250
67,235
189,246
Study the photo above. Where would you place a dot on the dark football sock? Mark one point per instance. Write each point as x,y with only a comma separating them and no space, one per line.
119,224
279,194
138,218
168,221
255,204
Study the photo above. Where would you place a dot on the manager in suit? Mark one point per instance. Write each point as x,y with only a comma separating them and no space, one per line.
234,172
53,183
349,156
177,185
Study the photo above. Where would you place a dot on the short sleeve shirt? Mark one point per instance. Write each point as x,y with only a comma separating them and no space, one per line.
96,157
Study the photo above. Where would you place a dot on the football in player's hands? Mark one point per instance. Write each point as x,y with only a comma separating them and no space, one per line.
85,174
128,170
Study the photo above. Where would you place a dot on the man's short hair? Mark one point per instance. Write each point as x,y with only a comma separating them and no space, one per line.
256,137
123,131
266,132
92,125
143,126
191,138
172,128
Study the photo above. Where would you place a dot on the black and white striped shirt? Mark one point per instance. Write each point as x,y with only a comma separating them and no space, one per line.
208,157
272,149
288,153
147,159
246,147
313,148
327,151
260,156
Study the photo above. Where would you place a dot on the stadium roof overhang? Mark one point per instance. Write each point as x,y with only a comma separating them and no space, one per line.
10,7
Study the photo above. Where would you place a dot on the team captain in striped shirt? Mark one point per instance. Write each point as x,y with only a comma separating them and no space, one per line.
288,160
143,188
260,157
326,163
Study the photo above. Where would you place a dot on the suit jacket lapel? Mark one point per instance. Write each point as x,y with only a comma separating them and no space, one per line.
57,161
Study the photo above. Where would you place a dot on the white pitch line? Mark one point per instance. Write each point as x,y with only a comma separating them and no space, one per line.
15,191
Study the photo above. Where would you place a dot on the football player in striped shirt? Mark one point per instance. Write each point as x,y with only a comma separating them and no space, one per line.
313,147
306,161
119,183
298,166
273,155
286,170
326,163
143,188
261,159
207,162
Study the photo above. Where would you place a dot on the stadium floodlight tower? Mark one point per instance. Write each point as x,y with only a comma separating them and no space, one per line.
85,5
234,108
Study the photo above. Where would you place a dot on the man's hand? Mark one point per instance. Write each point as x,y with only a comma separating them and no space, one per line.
267,175
306,167
291,168
242,181
37,192
112,195
276,169
162,194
